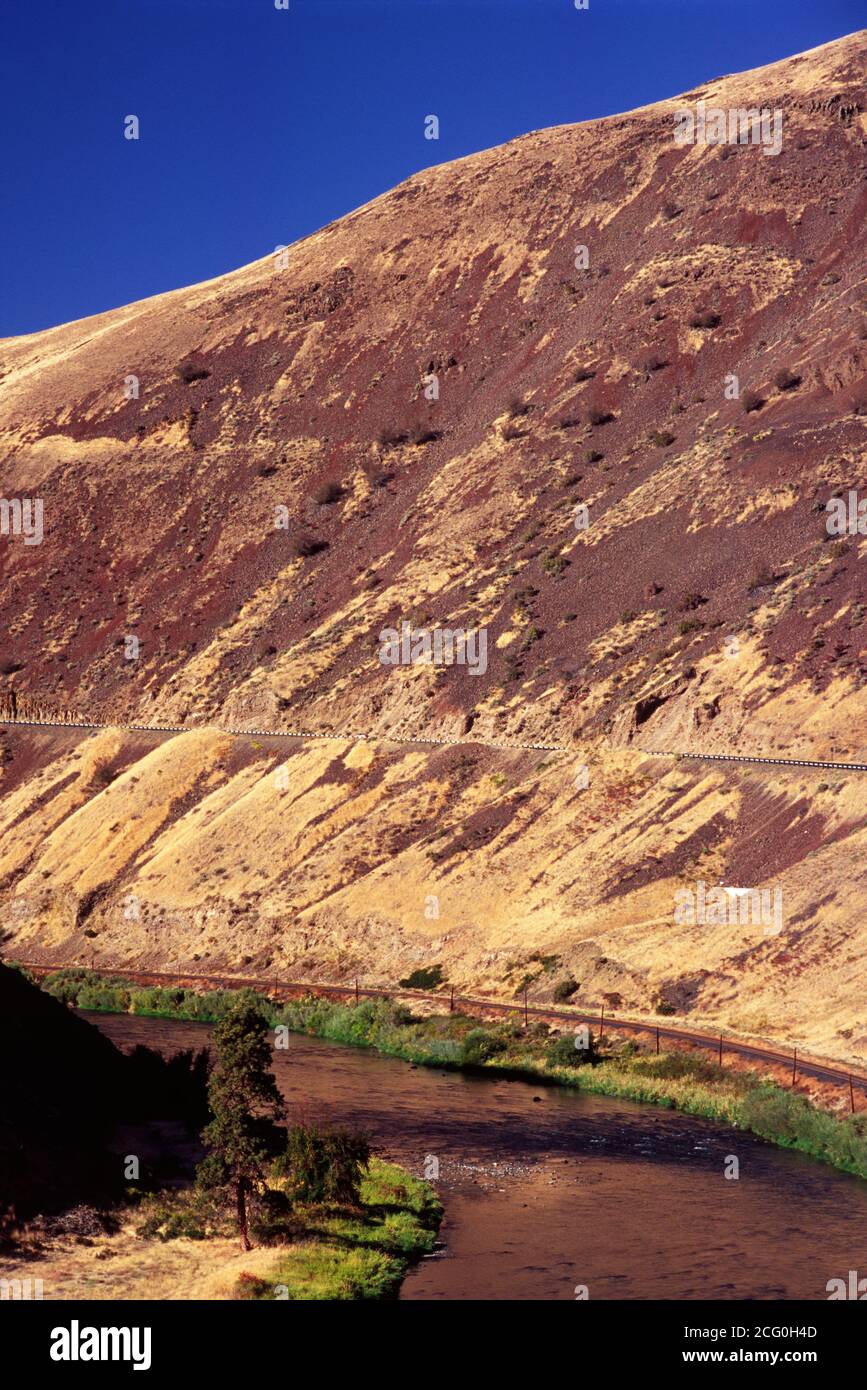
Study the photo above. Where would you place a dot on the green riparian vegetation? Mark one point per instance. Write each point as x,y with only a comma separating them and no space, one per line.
675,1079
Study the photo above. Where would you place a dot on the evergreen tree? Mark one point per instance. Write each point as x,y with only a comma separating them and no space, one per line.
245,1134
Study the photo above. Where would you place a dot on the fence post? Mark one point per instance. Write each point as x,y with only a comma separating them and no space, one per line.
851,1094
794,1065
356,989
657,1039
452,1001
720,1049
526,1015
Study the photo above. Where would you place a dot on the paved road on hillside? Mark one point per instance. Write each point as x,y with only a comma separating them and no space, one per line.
349,736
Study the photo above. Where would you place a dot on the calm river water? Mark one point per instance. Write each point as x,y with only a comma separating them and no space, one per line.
546,1190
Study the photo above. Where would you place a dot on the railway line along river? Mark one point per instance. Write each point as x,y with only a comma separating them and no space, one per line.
548,1192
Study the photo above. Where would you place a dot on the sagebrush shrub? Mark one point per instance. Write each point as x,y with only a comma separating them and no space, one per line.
786,380
704,318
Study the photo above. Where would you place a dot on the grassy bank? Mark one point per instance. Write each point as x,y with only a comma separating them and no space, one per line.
679,1080
177,1244
352,1253
314,1251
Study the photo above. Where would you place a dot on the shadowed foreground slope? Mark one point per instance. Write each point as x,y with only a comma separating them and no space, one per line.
64,1088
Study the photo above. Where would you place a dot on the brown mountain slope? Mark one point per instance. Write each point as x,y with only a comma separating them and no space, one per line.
705,605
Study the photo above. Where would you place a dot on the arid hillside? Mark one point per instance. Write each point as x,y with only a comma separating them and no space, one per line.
589,393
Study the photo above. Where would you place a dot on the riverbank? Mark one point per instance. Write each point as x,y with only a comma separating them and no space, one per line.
735,1096
167,1249
315,1251
355,1253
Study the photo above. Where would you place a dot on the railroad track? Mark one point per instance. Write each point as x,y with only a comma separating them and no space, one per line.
801,1064
805,1066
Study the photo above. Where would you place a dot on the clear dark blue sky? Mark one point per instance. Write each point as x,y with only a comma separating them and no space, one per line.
259,125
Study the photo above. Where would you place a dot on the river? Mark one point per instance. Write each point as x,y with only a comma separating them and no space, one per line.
547,1192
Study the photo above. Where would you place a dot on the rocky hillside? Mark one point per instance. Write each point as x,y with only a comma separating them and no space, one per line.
400,420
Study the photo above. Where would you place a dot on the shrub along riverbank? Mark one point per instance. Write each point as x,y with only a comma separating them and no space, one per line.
675,1079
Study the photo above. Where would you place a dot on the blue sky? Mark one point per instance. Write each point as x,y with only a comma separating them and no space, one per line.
259,125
